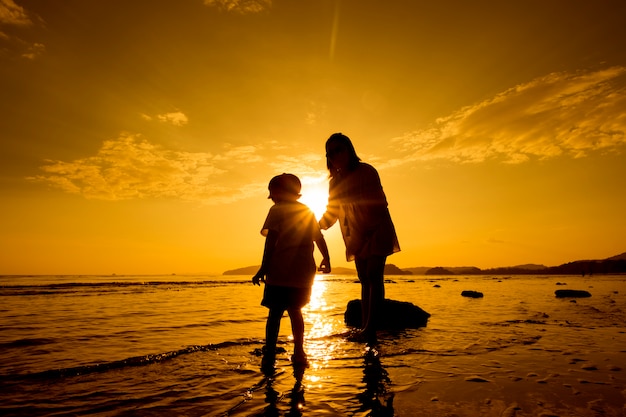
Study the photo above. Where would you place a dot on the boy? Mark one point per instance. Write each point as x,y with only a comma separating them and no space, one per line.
288,266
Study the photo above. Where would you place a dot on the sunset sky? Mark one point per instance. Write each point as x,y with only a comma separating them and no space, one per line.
138,136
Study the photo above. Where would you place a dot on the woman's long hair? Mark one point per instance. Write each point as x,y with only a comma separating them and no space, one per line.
342,140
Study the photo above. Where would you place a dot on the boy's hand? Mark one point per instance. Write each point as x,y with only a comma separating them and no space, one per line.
324,266
258,278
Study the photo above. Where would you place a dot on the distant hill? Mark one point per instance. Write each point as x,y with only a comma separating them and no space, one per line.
459,270
439,270
613,265
248,270
418,270
343,271
251,270
530,267
621,257
391,269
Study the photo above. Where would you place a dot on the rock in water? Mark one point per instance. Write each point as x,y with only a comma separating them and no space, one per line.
472,294
395,315
572,293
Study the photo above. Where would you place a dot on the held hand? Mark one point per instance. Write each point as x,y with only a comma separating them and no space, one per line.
324,266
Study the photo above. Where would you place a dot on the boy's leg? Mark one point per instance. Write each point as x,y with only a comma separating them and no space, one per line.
297,329
272,327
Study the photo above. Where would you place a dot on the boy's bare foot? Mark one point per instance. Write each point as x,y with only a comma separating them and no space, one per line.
268,364
268,361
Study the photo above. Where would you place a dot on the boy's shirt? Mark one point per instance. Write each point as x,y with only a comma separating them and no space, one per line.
292,263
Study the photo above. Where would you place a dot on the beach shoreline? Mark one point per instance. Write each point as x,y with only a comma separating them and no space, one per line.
190,347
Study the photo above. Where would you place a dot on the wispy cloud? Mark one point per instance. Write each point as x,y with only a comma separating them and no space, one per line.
130,167
240,6
569,114
12,14
34,51
176,118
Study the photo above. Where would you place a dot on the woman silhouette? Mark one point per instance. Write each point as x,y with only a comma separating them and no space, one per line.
357,200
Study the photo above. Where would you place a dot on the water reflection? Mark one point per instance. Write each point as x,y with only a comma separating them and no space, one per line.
296,401
273,397
318,301
376,398
320,324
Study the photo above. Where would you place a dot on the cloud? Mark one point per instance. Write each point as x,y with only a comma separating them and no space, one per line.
12,14
34,51
242,154
176,118
568,114
16,16
240,6
130,167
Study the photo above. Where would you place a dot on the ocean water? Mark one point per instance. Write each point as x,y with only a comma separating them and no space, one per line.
189,346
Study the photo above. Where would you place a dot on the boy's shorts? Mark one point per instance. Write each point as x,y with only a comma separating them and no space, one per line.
284,298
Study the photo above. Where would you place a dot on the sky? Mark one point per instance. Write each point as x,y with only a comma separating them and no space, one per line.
138,137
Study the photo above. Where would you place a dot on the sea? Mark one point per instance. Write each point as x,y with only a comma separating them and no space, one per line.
191,346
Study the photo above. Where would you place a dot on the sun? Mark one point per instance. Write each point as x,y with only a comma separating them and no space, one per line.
315,195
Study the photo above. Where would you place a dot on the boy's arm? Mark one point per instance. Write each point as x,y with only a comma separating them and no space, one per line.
323,247
270,243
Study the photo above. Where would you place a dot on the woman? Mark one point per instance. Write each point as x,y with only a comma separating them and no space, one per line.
357,200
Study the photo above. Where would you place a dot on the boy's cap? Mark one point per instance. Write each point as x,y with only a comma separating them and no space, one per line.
285,182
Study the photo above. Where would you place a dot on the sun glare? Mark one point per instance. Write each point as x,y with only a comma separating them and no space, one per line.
315,195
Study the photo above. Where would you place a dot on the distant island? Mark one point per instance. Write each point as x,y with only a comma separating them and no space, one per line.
613,265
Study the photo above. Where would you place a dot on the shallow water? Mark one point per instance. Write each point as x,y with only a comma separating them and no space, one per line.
173,345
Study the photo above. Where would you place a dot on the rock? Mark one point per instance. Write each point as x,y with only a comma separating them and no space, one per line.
572,293
395,315
472,294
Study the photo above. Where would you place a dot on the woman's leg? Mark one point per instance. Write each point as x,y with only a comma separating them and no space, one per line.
361,270
371,274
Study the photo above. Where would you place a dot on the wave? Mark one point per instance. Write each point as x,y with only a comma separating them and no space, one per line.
26,342
86,287
124,363
82,287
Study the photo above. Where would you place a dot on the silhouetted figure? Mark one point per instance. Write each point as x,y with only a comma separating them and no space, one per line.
288,267
357,200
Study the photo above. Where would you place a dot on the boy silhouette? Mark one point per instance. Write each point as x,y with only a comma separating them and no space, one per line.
288,267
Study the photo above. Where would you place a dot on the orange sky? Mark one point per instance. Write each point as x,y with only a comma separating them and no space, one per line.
138,137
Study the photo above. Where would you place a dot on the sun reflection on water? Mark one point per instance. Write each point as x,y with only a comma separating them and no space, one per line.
318,322
320,344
